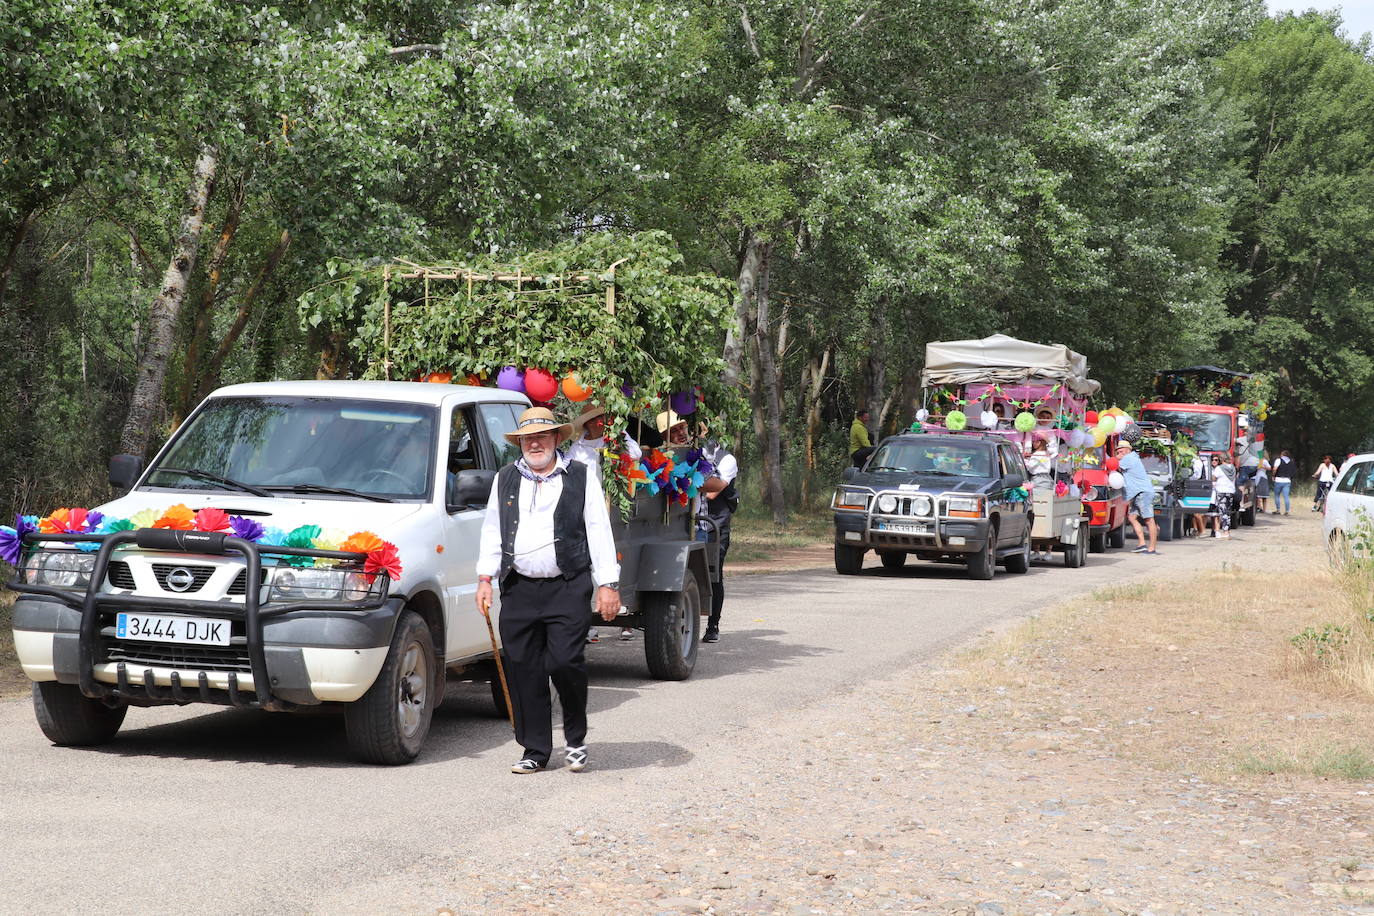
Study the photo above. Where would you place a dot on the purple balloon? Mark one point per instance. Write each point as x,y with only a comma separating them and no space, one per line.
511,379
683,402
628,390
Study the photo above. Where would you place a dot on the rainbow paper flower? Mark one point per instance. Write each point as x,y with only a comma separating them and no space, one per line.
12,539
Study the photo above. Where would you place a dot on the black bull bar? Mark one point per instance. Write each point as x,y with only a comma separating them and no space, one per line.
253,612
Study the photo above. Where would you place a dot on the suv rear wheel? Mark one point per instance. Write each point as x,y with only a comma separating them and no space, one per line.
1019,562
893,560
1117,538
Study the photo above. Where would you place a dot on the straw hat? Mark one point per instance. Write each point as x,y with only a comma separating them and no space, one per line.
588,414
538,420
667,420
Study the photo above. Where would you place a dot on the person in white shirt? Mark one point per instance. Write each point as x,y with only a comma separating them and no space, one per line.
589,438
545,541
720,499
1326,476
1223,493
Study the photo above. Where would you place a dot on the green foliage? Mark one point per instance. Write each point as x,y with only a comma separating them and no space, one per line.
1321,646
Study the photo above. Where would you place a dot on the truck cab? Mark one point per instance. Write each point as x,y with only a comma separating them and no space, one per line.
272,614
1213,429
937,496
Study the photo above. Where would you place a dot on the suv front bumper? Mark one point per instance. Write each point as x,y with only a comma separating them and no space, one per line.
937,535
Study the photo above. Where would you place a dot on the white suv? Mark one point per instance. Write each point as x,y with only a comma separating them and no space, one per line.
1348,522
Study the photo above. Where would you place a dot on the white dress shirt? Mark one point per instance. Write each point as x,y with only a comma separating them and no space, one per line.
535,556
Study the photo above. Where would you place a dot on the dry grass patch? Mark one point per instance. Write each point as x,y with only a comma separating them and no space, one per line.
12,680
1198,676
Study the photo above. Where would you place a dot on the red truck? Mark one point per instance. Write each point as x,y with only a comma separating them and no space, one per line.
1103,507
1214,429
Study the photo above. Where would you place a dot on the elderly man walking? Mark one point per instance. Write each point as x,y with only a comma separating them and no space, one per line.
1140,496
545,542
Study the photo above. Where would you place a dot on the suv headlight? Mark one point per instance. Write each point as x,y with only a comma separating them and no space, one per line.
887,503
62,568
851,499
964,506
921,505
298,584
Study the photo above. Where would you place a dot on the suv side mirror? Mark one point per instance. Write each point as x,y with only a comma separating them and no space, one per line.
848,473
124,471
469,488
1012,481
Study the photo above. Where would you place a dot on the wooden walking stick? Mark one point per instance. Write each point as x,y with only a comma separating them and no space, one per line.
500,667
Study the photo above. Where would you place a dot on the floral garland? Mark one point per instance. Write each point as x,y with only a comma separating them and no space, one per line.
381,556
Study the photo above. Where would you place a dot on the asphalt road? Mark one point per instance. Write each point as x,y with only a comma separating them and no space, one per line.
206,810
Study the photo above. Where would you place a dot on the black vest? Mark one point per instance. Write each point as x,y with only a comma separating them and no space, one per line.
569,526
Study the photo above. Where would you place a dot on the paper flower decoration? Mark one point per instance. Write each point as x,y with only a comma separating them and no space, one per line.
955,420
303,537
1025,421
211,519
64,521
179,518
272,537
245,528
362,542
383,559
1061,488
631,471
12,539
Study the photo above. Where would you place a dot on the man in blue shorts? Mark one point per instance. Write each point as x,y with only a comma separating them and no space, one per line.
1140,495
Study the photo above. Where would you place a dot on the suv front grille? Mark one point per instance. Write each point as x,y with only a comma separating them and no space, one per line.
166,655
240,584
121,576
199,576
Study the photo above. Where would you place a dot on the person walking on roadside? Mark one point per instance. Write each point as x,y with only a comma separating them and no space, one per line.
1262,484
546,542
1326,476
860,445
1223,493
1283,482
720,499
1140,496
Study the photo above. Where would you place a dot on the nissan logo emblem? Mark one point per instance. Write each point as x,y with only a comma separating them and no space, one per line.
180,579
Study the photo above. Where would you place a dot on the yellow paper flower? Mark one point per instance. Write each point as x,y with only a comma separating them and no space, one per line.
144,518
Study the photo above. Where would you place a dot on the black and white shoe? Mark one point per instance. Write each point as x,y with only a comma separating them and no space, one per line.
576,758
711,635
526,765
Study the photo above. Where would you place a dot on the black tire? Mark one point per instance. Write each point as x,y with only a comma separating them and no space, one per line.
1166,527
1076,555
1019,562
849,560
893,560
1117,537
983,564
71,719
1247,516
388,724
672,631
1097,541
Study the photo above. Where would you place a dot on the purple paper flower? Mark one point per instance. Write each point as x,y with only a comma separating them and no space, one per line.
93,520
245,528
11,546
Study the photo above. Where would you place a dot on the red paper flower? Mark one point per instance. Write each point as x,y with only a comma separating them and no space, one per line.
211,519
383,559
178,518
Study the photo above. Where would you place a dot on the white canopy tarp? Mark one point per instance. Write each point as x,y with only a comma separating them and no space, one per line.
1001,359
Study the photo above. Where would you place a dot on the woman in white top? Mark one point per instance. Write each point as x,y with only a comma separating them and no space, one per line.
1223,493
1326,476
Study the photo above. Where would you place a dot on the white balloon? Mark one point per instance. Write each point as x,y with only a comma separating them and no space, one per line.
1123,420
1115,480
922,414
988,419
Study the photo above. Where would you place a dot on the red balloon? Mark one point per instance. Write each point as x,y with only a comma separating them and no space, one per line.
1112,464
540,385
1091,418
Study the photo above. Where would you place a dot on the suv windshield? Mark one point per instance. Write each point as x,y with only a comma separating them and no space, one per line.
322,445
1210,432
940,459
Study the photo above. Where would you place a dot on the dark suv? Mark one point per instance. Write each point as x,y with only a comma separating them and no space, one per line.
939,496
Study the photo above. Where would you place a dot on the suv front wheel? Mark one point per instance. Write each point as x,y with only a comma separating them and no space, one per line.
389,724
983,564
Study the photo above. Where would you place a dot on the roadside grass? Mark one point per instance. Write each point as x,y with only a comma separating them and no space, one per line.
11,677
1199,676
755,539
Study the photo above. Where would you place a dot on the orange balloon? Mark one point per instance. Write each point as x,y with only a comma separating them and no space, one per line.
472,380
573,390
440,378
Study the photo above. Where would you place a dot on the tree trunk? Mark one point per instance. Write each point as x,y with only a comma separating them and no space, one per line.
162,315
811,397
770,445
877,363
21,232
210,377
191,372
737,338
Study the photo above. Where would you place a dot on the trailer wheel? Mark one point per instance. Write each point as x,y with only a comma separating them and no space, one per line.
1166,525
672,625
893,560
1117,537
71,719
1076,555
390,722
1247,516
849,560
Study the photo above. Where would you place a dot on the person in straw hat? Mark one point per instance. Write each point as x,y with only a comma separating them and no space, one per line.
589,438
546,542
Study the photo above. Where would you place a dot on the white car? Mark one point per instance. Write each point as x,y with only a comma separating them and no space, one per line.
1348,522
142,614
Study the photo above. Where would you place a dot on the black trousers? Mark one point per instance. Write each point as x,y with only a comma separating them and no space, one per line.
718,587
544,626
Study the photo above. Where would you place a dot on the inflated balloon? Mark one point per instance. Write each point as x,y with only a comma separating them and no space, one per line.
922,415
439,378
1025,421
1099,437
1111,464
511,379
573,389
540,385
989,419
1124,420
683,402
472,379
1090,418
1106,423
1115,480
955,420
